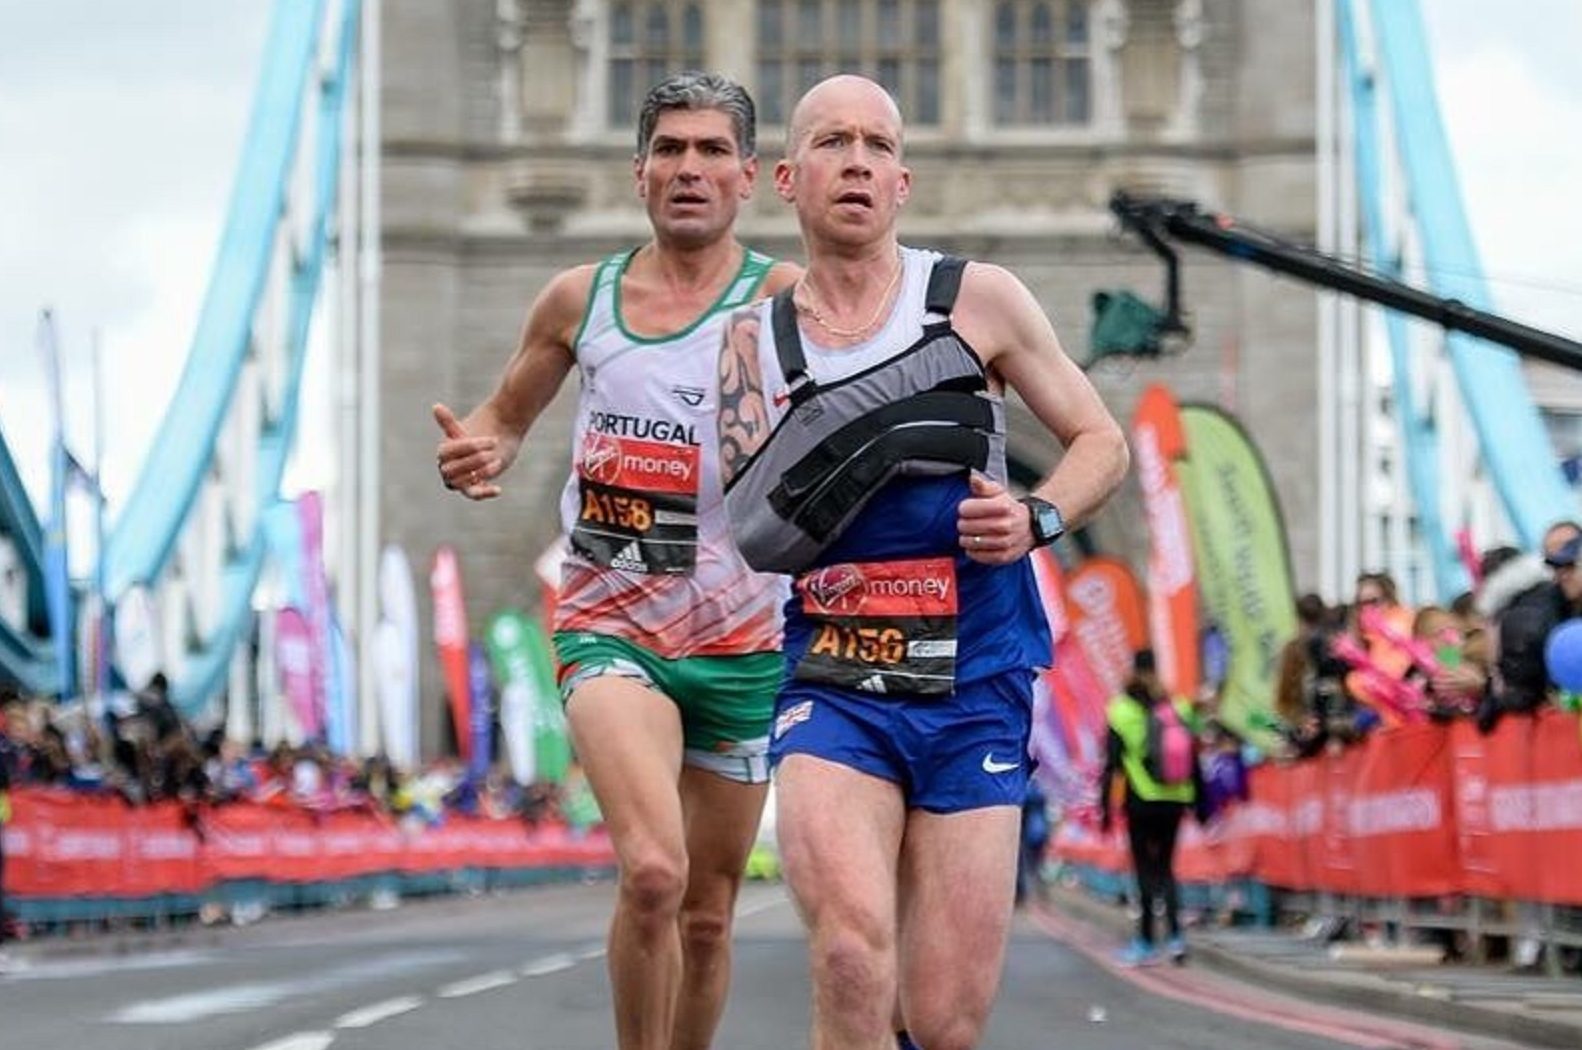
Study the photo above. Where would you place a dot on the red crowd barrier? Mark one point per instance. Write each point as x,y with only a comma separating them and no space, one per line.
61,844
1415,811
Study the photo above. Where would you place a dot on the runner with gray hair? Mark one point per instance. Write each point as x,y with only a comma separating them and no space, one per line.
694,90
668,642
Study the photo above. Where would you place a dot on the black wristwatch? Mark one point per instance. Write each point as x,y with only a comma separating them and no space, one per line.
1044,516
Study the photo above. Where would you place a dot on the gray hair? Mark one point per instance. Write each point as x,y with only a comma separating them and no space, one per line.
695,90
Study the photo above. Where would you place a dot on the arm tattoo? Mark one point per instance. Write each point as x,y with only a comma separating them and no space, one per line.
743,418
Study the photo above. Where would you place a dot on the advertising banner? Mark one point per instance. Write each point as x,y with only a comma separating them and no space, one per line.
1158,441
531,719
1244,567
1107,619
294,661
396,653
450,639
482,722
316,599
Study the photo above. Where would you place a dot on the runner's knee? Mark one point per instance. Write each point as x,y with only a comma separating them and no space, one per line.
856,968
946,1033
654,885
704,930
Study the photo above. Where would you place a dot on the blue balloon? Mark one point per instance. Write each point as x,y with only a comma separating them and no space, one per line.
1563,655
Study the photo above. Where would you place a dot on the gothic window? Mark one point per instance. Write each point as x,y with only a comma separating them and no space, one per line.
648,42
1042,65
896,42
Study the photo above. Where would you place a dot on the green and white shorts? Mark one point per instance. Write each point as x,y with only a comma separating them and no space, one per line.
726,702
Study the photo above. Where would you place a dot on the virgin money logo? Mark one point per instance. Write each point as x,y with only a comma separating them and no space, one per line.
601,458
838,588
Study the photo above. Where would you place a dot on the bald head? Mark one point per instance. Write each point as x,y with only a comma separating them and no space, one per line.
840,93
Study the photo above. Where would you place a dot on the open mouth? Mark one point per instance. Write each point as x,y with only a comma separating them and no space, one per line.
857,197
689,199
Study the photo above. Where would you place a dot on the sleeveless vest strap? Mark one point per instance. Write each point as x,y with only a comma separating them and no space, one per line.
944,283
755,267
788,348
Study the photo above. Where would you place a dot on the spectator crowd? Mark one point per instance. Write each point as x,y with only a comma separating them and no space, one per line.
1376,661
143,751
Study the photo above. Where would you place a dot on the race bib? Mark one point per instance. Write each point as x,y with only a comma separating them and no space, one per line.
881,627
639,505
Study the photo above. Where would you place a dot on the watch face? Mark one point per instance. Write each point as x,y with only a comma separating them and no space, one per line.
1049,523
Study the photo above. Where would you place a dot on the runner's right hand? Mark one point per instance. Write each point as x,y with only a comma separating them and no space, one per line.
467,464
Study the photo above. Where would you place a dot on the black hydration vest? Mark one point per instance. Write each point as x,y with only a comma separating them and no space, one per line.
926,412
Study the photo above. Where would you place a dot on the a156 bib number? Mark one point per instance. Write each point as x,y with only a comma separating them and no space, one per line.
881,627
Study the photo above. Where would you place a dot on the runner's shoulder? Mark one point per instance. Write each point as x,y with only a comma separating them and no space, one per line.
783,274
558,310
567,291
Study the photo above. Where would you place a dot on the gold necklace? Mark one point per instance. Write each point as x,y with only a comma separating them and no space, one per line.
812,311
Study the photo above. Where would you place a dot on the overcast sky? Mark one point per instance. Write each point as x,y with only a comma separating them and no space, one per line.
121,123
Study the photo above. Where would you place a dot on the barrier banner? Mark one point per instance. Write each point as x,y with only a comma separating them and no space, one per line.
1267,819
1305,820
162,854
58,843
1078,843
1332,864
61,844
1198,857
352,844
1471,755
1236,832
1557,806
1500,805
1401,814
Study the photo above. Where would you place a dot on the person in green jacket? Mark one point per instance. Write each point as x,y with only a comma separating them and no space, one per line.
1152,743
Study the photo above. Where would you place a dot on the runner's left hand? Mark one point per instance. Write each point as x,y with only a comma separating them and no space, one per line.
994,528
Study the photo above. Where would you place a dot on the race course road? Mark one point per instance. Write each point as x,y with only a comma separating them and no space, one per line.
525,971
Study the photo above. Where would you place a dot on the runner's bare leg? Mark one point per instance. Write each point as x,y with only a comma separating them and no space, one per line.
958,878
721,823
628,739
840,832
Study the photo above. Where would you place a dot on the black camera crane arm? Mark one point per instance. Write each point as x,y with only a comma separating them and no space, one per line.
1158,220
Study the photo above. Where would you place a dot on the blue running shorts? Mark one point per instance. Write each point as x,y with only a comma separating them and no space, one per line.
959,752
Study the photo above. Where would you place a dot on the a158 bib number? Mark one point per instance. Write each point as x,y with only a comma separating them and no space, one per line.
638,507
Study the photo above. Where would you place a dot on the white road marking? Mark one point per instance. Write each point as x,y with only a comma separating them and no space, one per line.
179,1009
595,952
549,964
237,998
301,1041
37,970
473,985
373,1014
